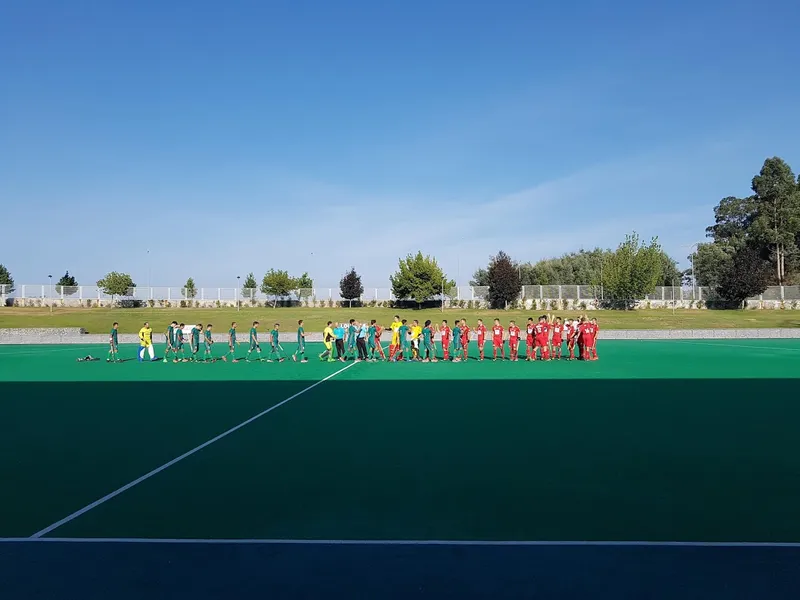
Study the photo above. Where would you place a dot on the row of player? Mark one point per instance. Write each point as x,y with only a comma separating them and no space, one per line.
361,341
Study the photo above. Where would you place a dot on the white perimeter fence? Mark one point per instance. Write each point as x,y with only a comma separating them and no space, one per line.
545,295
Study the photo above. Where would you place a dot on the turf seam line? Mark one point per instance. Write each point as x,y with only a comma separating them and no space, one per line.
178,459
320,542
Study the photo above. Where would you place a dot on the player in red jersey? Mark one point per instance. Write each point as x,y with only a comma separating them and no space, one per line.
465,335
579,337
593,348
587,337
558,330
570,329
480,330
378,345
542,338
446,332
497,340
513,341
530,329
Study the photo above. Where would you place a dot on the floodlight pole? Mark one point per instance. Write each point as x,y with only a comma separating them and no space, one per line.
238,277
673,297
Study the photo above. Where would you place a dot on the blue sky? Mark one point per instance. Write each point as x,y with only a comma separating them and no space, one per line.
308,135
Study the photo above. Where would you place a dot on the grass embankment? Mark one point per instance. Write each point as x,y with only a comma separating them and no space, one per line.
99,320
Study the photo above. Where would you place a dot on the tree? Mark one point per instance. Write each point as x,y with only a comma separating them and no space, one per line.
6,281
350,286
116,284
419,278
304,286
189,290
732,219
670,275
480,278
249,287
777,213
277,284
504,281
67,285
748,274
709,261
633,270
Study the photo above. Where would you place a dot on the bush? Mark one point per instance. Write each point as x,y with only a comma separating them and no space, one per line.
553,304
564,304
470,305
130,303
183,304
151,303
88,303
218,303
330,302
583,305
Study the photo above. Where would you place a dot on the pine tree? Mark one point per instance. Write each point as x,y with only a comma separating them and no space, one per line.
350,286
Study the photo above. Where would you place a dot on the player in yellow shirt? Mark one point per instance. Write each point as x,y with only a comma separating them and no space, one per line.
327,339
416,334
394,346
146,342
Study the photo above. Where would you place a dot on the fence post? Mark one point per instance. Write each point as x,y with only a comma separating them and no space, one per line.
559,292
23,292
169,294
577,293
330,293
376,294
472,292
80,292
782,296
541,292
202,293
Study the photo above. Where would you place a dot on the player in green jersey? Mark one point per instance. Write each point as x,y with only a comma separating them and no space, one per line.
427,343
457,340
351,339
301,343
405,343
276,351
372,330
113,344
208,356
232,342
197,330
254,347
178,346
169,336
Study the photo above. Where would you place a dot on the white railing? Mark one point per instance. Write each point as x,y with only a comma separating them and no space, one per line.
174,295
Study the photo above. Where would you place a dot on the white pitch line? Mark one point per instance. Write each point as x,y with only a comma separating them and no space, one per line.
158,470
314,542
